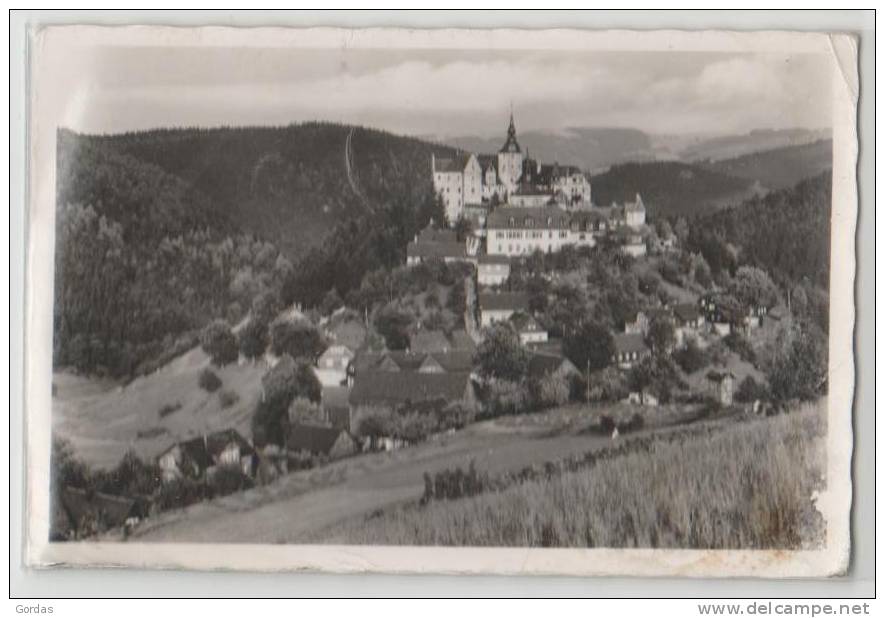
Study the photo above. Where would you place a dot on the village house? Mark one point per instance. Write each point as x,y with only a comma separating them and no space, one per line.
80,513
722,386
689,322
200,457
410,389
331,367
545,364
452,361
498,307
644,317
350,333
308,445
629,349
492,270
528,329
727,315
432,243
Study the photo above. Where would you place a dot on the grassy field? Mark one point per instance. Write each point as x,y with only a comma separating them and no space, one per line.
103,420
747,485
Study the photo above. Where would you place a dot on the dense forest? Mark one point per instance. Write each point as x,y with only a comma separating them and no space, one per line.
158,233
779,168
290,185
669,188
787,233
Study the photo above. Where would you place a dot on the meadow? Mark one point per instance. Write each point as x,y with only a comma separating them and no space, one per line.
748,485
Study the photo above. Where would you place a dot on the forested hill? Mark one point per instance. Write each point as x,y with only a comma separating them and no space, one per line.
160,232
779,168
290,185
787,232
670,188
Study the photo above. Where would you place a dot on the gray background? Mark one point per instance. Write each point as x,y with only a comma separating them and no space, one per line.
84,583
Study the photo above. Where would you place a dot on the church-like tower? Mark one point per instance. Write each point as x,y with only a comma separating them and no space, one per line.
510,159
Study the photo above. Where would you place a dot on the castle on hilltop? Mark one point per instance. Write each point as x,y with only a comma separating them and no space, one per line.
510,177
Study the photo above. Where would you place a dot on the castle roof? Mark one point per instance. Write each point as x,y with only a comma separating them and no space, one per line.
522,217
511,145
451,164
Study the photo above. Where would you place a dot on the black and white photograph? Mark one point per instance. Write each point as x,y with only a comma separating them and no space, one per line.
357,299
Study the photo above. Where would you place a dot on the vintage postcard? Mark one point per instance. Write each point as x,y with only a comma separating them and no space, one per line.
489,301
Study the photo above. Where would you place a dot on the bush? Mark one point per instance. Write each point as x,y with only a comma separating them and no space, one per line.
227,398
506,398
209,381
606,424
741,346
453,484
634,423
219,342
691,358
179,493
168,409
253,339
750,390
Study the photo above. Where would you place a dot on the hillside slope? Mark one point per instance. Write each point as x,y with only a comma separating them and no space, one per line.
781,167
290,185
670,188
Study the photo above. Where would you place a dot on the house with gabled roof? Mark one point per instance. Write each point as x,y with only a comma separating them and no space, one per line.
630,348
199,457
499,306
528,328
309,444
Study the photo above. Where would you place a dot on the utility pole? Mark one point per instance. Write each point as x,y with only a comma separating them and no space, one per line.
588,381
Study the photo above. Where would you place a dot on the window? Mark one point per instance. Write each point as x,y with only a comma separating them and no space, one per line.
529,222
512,221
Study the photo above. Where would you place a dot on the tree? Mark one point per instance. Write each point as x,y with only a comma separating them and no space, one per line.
799,369
701,273
394,326
219,342
463,228
661,335
302,409
658,374
299,339
681,230
284,382
253,338
501,356
590,346
753,287
331,301
209,380
265,307
691,357
663,229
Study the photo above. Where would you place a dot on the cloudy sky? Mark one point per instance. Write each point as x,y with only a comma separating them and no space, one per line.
447,93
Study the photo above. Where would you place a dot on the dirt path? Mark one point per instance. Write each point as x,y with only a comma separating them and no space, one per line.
301,504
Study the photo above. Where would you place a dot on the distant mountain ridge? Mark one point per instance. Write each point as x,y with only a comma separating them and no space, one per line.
596,148
778,168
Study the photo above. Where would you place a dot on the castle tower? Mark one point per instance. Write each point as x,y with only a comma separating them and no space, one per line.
510,159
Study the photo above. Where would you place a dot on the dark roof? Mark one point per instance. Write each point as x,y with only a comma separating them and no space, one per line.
526,188
113,511
335,397
461,341
218,441
429,250
451,164
653,313
399,387
524,217
502,301
635,206
626,343
452,360
717,376
494,259
194,450
541,364
429,341
686,312
314,439
511,145
486,161
432,233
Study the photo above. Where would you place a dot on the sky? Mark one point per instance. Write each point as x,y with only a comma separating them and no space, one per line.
446,93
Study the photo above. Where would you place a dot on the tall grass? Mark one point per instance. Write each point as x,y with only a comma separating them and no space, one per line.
748,486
